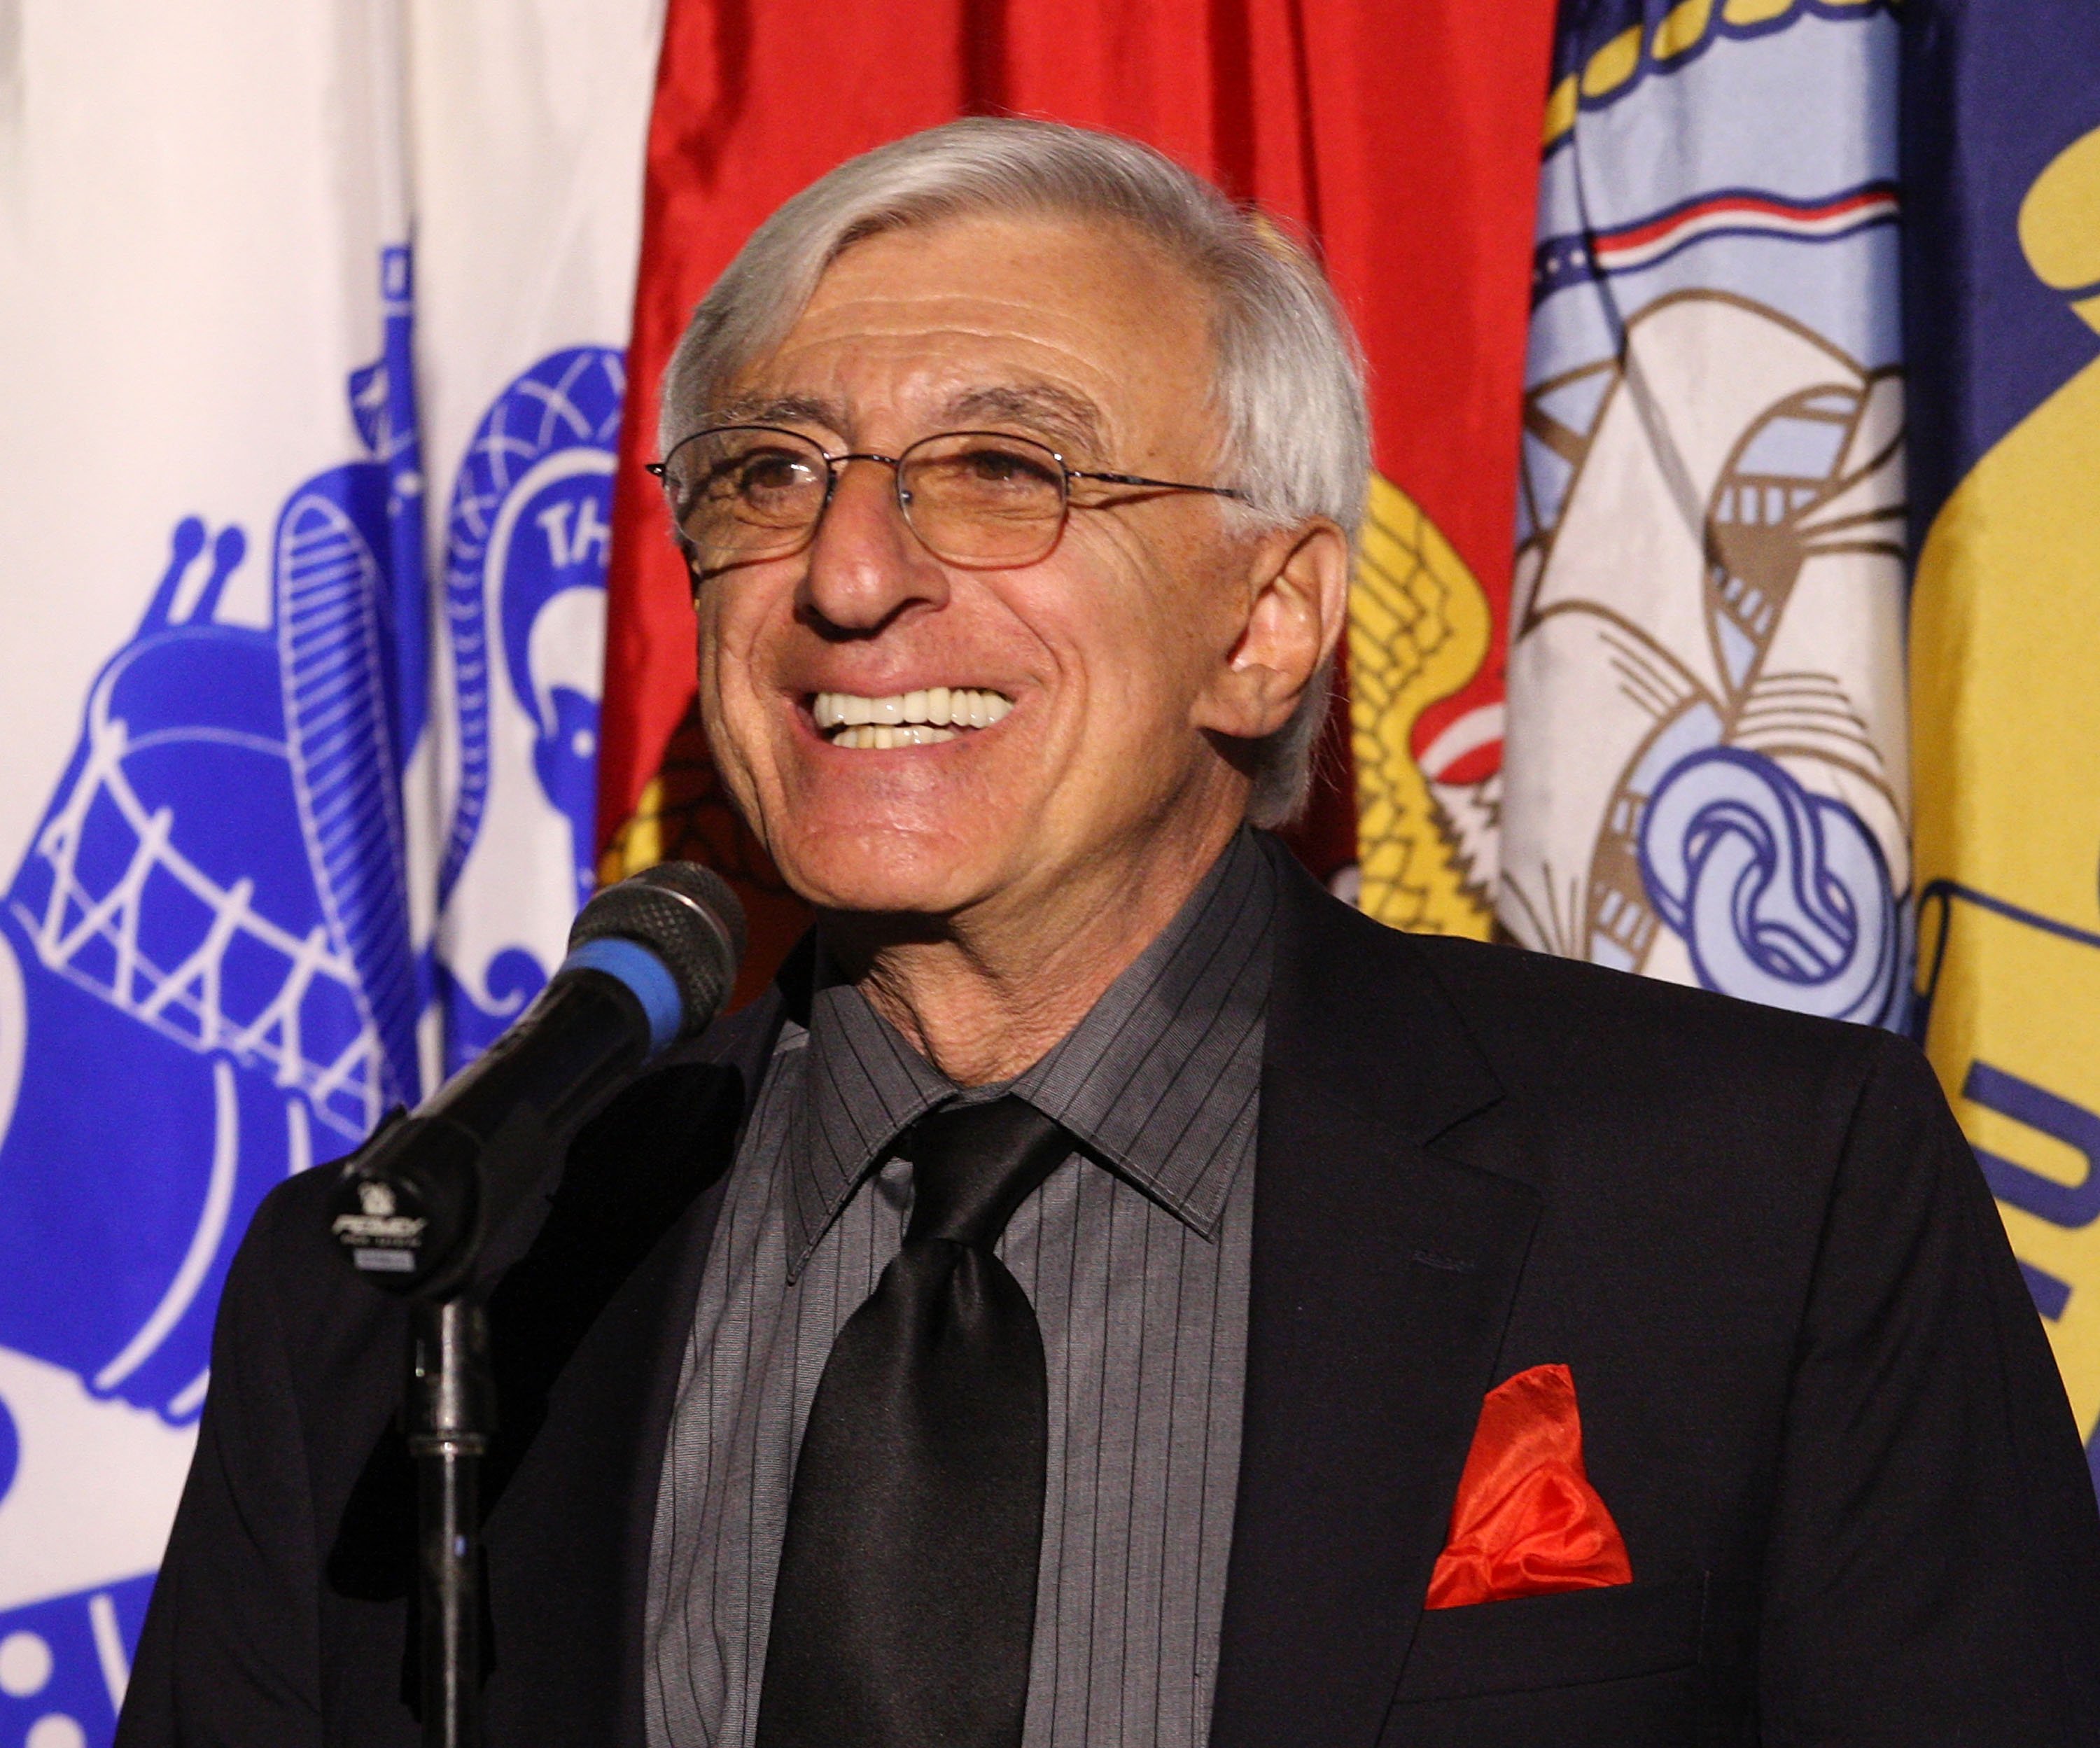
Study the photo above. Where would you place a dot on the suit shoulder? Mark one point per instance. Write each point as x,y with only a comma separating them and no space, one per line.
1563,1031
290,1222
289,1283
1535,1013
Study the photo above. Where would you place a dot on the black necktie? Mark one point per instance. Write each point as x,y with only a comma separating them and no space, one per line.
906,1604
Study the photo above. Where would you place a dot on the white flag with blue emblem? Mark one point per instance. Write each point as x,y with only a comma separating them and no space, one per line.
1706,772
313,325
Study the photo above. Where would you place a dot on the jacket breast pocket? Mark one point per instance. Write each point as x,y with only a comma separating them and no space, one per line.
1615,1664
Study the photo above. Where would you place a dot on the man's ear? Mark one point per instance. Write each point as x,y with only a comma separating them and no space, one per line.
1297,594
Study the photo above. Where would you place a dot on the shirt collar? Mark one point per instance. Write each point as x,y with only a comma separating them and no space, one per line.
862,1086
1158,1080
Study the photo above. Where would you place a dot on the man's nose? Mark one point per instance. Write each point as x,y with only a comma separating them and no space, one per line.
865,567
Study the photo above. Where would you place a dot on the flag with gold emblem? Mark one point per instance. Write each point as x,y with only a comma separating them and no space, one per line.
2002,145
1707,775
1399,141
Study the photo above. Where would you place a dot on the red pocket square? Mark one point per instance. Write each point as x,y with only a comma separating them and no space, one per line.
1526,1521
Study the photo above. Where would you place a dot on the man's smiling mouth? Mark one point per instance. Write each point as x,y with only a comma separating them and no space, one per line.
906,719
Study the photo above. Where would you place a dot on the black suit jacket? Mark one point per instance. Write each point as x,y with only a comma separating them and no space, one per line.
1813,1391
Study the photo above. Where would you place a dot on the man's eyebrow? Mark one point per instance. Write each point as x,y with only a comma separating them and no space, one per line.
779,410
1069,419
1072,419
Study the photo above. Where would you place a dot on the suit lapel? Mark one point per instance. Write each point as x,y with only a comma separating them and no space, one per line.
1383,1276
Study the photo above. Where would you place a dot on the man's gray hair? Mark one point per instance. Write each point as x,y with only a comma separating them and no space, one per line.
1290,378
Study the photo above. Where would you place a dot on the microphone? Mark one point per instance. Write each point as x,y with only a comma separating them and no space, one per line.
650,961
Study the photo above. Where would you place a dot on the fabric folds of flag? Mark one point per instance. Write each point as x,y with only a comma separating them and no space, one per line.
1707,772
2002,156
218,748
309,511
1397,140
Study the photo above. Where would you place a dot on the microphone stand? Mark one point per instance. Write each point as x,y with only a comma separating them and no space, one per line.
413,1210
451,1415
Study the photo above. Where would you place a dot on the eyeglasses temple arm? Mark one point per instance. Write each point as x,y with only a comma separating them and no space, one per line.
1164,485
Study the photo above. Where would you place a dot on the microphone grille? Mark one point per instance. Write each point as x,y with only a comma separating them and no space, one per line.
689,918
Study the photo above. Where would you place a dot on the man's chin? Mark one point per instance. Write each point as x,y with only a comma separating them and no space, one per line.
877,872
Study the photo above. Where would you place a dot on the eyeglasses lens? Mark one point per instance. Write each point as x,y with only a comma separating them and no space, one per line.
983,498
972,498
742,494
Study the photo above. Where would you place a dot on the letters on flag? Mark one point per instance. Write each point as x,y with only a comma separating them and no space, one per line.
1707,772
1397,143
302,718
2003,134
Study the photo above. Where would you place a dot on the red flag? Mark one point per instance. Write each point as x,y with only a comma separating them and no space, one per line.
1401,141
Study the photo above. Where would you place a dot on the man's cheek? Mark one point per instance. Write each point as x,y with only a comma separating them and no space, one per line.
731,723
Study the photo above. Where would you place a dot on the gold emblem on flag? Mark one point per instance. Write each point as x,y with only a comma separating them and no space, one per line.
1419,625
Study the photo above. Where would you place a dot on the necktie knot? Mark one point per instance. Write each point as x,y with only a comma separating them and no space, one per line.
972,1165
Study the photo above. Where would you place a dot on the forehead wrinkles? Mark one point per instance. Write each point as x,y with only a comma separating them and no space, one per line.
1092,337
1069,318
1082,364
1044,274
1071,422
943,378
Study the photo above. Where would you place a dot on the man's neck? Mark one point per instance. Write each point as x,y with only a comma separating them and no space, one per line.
987,996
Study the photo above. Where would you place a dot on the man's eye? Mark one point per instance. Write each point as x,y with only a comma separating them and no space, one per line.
771,471
997,466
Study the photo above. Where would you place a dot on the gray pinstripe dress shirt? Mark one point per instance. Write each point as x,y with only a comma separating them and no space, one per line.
1134,1253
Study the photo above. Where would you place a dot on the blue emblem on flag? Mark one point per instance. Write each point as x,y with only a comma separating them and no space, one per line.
207,981
1781,894
525,608
1706,776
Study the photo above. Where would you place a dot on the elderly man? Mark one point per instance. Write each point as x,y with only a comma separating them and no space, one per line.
1109,1292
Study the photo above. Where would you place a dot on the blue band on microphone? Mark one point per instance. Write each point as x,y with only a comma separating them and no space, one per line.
645,976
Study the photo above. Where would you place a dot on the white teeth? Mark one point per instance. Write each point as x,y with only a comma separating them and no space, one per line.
879,737
906,719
